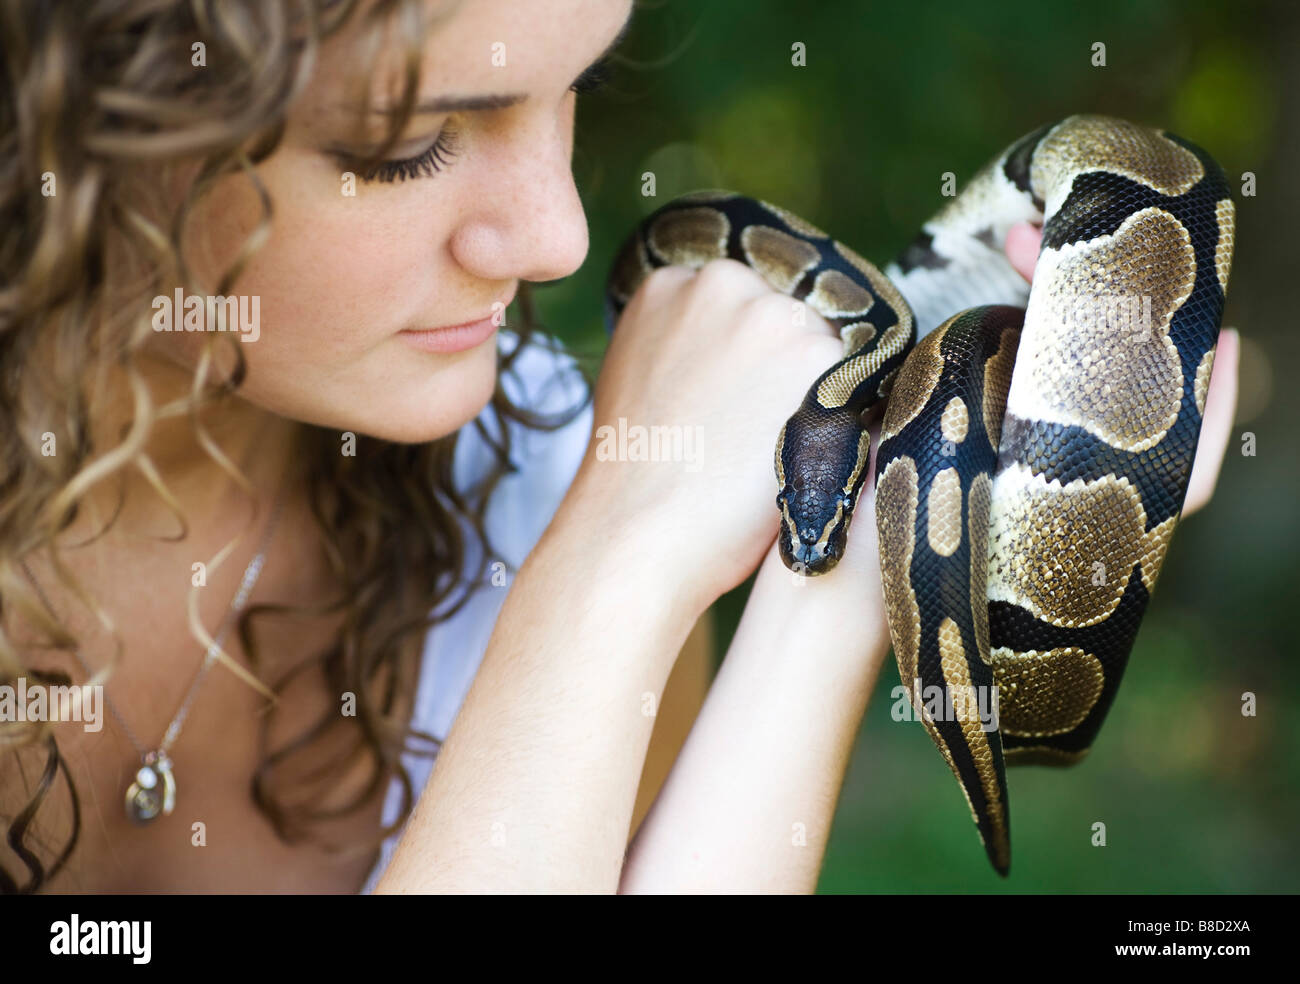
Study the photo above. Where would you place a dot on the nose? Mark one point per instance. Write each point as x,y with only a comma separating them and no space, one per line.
525,220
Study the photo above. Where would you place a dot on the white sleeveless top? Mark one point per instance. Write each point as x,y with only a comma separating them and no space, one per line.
519,510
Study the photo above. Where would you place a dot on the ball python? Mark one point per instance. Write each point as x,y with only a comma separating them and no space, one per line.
1036,444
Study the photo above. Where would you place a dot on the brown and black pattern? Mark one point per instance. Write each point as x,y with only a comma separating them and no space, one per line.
821,453
1095,434
1033,463
939,436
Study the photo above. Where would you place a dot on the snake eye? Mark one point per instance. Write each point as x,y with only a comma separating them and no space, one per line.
846,503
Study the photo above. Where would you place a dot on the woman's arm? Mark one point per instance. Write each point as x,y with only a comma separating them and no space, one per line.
675,714
535,785
749,803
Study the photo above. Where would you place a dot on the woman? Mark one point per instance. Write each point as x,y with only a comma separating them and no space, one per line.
375,186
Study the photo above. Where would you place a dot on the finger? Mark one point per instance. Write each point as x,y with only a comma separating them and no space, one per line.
1220,405
1023,241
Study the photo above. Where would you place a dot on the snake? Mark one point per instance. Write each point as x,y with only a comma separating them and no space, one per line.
1035,442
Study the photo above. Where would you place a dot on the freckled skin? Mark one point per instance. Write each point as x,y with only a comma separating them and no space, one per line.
340,276
337,279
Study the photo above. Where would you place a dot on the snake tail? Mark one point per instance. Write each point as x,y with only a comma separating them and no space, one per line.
933,498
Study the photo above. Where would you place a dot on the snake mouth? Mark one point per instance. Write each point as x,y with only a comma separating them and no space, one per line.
810,554
807,558
814,528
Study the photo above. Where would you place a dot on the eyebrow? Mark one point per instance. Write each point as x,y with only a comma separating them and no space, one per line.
472,104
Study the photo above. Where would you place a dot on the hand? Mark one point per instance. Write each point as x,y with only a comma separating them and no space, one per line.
1220,402
722,356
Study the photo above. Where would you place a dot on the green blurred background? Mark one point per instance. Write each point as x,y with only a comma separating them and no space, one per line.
1195,796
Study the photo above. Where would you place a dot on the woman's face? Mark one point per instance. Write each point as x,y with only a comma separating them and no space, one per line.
344,280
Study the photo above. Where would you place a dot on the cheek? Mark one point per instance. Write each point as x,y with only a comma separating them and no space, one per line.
343,273
393,391
335,281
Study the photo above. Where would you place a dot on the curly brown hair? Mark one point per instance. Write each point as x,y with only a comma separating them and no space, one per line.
100,95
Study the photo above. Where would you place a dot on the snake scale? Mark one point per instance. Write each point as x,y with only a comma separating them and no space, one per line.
1036,444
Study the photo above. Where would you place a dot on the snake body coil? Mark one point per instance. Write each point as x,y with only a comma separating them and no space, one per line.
1033,462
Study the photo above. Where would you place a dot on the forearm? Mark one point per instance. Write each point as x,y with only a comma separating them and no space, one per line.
535,785
749,803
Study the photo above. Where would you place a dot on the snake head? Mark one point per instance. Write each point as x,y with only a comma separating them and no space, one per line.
814,528
821,462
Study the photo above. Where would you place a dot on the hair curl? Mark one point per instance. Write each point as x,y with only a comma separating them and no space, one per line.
100,96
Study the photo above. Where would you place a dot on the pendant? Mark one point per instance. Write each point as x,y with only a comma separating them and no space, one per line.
154,789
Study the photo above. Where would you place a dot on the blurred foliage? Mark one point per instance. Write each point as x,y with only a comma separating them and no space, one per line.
1195,797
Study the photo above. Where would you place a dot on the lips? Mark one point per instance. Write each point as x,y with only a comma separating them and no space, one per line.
455,338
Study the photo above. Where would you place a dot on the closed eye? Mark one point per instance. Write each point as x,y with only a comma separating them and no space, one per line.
424,164
594,78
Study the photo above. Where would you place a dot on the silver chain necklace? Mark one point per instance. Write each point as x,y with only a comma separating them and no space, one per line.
153,792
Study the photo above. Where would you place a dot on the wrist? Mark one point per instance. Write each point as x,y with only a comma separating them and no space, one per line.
608,547
628,532
836,617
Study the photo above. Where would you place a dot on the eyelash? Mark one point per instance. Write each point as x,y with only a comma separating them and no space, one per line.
594,78
438,156
424,164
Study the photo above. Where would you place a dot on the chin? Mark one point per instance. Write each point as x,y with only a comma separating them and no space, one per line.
423,408
404,396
